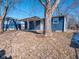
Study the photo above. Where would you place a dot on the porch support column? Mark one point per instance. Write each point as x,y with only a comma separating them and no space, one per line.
41,24
34,25
27,25
65,23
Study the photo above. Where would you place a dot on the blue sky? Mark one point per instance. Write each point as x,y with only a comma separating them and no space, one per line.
30,8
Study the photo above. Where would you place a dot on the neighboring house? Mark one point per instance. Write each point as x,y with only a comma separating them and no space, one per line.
10,24
73,23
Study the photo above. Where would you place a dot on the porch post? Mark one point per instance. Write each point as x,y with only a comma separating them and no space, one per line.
41,25
65,24
34,25
27,25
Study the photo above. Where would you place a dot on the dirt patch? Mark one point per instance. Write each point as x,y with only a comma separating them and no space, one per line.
27,45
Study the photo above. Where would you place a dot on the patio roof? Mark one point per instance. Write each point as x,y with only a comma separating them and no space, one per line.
35,18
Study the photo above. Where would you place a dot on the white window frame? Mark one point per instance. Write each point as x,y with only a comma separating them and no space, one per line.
55,20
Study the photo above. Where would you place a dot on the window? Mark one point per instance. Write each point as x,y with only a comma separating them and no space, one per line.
55,20
31,25
38,24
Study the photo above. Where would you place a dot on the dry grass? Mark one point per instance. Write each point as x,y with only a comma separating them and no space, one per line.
26,45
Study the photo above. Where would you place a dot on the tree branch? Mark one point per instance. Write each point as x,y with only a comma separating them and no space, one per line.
55,5
42,3
0,2
5,8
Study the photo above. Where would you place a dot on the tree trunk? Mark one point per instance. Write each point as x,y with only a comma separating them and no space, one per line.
4,15
3,18
48,16
49,10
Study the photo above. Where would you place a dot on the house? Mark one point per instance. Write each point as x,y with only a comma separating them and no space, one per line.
58,24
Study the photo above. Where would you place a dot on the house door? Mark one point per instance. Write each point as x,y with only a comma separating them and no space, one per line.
31,25
25,25
37,25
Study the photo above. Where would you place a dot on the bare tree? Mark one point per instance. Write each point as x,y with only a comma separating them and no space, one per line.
0,6
49,10
8,4
4,14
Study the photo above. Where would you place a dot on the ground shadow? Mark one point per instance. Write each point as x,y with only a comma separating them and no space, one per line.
35,32
3,55
75,43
